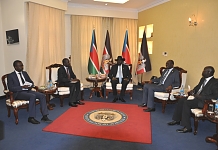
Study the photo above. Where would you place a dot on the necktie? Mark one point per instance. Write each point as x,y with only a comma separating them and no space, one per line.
201,88
68,73
120,75
163,77
21,78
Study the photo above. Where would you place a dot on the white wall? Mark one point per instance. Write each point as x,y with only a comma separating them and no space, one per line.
2,35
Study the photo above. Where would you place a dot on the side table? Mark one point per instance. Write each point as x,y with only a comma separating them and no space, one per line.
95,83
48,93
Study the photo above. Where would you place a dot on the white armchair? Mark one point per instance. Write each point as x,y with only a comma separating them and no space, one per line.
62,92
168,98
129,88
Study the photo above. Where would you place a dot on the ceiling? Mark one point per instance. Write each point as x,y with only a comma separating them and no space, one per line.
131,4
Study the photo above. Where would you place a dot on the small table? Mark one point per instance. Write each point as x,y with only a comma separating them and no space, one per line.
95,81
48,93
214,138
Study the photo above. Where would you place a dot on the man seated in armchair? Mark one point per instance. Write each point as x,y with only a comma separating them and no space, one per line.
119,73
206,89
168,80
66,77
20,84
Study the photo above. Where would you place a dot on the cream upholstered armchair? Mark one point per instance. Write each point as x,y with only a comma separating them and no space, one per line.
199,114
168,98
129,88
13,104
62,92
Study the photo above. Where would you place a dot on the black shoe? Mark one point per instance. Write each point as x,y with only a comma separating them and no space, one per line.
173,123
33,120
79,103
45,119
142,105
72,105
115,99
184,130
149,109
122,100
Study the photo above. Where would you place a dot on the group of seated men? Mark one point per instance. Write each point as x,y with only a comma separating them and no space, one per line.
17,80
206,89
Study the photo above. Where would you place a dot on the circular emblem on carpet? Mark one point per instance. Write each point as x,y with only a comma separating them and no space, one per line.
105,117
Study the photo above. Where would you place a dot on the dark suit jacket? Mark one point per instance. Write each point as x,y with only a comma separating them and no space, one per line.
172,79
210,91
63,77
125,70
14,84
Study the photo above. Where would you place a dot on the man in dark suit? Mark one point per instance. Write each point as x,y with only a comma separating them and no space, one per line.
20,83
168,80
119,73
66,77
206,89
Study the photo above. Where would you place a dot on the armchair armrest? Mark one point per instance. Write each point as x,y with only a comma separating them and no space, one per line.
206,105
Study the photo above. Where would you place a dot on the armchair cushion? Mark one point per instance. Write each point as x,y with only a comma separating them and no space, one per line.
17,103
197,112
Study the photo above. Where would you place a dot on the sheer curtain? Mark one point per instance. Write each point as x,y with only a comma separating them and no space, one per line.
82,27
46,39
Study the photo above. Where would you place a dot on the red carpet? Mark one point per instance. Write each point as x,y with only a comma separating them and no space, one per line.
136,128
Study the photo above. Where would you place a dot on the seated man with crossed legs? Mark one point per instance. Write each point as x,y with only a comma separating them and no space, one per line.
119,73
206,89
168,80
66,77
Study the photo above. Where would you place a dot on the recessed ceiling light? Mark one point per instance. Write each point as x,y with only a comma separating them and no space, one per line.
106,4
113,1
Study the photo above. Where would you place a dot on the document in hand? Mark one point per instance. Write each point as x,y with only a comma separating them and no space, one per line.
73,81
28,83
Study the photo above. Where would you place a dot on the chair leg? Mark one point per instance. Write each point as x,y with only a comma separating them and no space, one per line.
16,115
195,125
106,94
82,95
9,110
130,94
61,101
164,103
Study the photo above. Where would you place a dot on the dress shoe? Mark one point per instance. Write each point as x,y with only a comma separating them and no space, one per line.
173,123
122,100
72,105
142,105
45,119
184,130
115,99
33,120
149,109
79,103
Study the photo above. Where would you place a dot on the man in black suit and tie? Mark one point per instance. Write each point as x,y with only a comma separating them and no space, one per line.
206,89
168,80
66,77
119,73
20,84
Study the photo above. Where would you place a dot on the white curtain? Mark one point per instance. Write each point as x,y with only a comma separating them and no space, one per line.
46,39
82,27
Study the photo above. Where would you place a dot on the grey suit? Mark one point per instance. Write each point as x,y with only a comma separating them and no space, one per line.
183,109
149,89
31,96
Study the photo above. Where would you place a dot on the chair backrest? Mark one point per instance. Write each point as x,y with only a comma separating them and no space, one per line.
52,72
129,65
182,74
4,82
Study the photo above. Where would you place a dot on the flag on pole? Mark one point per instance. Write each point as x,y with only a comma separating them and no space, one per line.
125,52
93,65
144,64
106,56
